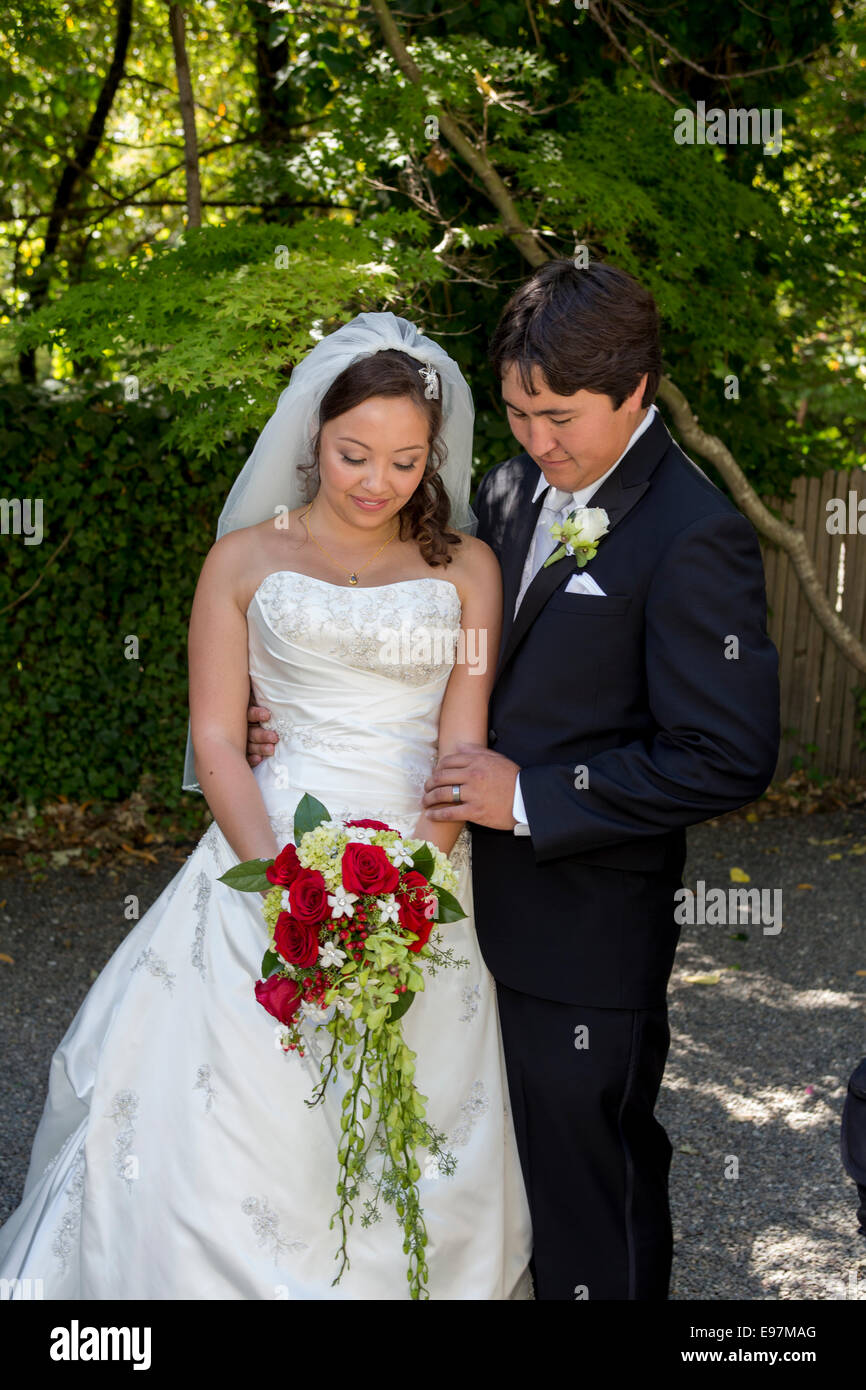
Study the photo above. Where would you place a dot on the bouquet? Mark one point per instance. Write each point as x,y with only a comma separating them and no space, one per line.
350,909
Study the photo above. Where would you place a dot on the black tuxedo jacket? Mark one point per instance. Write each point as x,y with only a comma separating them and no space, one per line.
665,691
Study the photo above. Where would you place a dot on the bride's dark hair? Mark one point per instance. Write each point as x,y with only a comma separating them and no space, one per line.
424,517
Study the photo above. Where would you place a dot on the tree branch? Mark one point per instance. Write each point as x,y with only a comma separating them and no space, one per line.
594,12
77,166
781,533
50,561
525,240
187,116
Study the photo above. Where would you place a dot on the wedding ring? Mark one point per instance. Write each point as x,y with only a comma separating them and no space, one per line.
455,794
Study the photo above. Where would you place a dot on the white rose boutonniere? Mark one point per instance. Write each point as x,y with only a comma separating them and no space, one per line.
580,534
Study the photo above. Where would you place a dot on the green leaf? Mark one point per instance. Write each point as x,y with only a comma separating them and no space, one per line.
249,877
270,963
398,1009
423,860
308,814
449,908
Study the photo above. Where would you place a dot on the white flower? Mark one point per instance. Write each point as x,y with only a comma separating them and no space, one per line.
359,834
343,1006
329,954
340,903
399,854
285,902
389,908
313,1013
579,535
585,526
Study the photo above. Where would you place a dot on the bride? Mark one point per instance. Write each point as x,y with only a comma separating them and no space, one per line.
175,1157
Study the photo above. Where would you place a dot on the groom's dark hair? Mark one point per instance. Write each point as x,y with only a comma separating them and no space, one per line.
591,329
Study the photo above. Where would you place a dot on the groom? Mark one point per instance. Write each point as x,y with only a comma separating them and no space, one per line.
634,696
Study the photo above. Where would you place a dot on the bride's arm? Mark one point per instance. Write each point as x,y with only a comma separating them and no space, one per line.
463,717
219,688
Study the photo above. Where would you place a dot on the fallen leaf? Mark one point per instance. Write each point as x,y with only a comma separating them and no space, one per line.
860,972
139,853
738,876
61,857
688,1149
833,856
805,885
7,960
703,979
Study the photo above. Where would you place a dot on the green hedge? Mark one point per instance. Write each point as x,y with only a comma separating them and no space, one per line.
77,717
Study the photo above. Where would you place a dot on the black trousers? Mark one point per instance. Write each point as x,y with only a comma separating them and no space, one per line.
583,1083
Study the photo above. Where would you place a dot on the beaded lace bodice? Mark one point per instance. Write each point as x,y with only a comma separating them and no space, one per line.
354,679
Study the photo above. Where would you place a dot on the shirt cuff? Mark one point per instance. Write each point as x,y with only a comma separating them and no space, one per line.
518,810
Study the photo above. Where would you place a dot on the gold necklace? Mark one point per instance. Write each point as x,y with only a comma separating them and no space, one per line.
353,577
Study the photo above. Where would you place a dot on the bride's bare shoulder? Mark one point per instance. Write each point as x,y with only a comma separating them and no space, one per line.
473,563
473,553
230,560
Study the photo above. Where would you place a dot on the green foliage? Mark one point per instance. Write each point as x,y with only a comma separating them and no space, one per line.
220,318
312,139
78,717
859,693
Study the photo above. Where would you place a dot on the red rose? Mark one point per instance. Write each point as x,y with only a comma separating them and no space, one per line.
285,867
367,869
309,897
368,824
297,942
415,908
281,997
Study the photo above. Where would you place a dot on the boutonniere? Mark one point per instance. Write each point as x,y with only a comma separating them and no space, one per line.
579,534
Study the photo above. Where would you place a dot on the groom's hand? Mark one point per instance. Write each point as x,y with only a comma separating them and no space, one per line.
486,781
260,742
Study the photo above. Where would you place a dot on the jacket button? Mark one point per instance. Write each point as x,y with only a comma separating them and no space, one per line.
491,736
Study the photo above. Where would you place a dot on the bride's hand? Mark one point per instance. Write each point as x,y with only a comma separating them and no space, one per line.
443,834
260,742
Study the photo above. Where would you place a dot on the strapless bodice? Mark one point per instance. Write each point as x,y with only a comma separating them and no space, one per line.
354,679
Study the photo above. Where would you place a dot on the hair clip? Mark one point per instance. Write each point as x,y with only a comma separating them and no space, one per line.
431,380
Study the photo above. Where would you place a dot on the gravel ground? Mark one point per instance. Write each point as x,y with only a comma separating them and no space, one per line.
756,1075
759,1065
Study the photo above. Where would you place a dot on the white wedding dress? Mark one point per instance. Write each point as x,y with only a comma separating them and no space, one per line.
175,1158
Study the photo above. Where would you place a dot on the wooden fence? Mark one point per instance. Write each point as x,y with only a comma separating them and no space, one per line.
818,707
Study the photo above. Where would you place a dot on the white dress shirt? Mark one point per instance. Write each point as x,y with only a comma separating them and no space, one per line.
537,554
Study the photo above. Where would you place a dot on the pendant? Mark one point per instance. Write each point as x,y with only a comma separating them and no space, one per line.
353,578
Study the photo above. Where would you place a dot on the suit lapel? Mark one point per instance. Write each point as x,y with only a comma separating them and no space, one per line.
516,542
622,490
